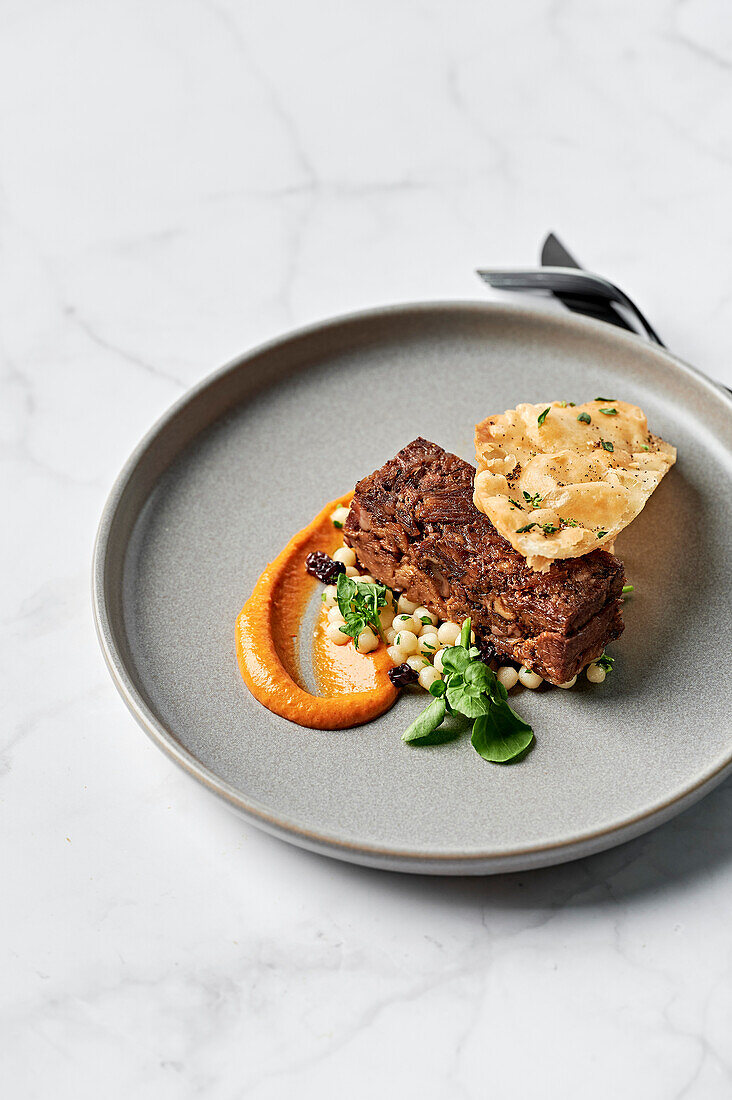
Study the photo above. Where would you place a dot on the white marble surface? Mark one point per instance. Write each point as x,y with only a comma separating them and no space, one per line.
177,182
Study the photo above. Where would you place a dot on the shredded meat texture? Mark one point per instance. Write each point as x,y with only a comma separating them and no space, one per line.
414,526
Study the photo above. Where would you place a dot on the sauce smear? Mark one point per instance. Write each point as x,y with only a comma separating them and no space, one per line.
355,685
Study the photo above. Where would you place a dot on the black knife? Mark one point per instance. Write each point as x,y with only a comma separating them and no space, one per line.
554,254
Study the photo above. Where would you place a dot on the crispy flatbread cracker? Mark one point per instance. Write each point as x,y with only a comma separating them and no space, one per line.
559,480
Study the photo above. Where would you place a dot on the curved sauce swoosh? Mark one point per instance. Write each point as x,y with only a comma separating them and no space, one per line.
355,685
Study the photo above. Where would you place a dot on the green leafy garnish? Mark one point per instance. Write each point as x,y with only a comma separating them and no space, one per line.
601,534
543,415
520,530
605,662
500,735
515,504
570,523
609,412
645,447
610,399
627,588
585,418
534,500
359,604
426,722
562,404
470,690
606,445
549,528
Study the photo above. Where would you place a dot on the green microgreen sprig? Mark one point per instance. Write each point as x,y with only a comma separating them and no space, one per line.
359,604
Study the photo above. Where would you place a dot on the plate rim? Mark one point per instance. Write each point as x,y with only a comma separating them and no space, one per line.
390,858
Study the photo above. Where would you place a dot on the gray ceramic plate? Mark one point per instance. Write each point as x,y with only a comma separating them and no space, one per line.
247,458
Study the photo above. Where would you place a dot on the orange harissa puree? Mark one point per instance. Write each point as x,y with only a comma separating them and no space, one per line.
355,686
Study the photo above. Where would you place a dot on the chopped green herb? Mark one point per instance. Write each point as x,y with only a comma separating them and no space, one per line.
359,604
609,399
543,415
627,588
645,447
605,662
585,418
606,445
562,404
470,690
570,523
515,504
520,530
534,500
572,404
609,412
548,528
601,534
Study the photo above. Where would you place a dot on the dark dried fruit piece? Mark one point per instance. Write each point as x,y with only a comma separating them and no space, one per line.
402,675
324,568
487,650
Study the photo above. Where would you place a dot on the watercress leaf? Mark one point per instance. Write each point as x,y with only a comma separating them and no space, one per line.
464,701
438,688
426,722
499,694
452,726
455,659
500,735
465,635
478,676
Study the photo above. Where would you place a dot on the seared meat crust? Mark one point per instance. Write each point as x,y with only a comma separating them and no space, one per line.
414,526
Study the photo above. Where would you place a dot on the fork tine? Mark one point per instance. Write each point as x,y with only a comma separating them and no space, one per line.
582,284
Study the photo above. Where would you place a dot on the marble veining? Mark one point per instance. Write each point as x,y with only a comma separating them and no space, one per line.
179,182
